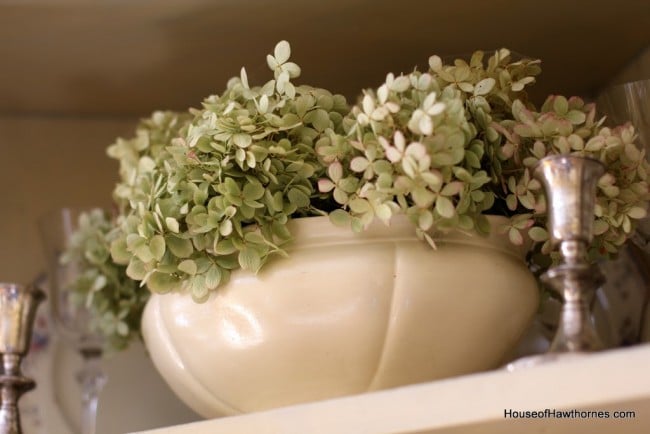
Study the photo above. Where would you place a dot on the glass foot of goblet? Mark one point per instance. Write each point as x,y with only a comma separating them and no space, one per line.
91,379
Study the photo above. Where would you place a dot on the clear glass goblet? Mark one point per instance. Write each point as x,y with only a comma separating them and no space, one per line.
71,317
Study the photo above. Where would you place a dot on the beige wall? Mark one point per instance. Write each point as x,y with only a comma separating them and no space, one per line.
637,69
47,163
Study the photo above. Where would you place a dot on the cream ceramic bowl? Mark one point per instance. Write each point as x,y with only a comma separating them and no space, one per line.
345,314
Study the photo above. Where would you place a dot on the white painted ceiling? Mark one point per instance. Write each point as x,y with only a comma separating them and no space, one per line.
125,58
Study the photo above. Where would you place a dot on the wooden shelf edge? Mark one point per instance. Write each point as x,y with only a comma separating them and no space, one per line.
608,381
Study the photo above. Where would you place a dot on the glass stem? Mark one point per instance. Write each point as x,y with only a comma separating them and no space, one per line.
92,379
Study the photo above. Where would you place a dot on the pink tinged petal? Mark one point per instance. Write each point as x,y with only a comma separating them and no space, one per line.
325,185
393,155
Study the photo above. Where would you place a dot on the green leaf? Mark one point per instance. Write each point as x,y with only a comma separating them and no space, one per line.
425,220
225,247
187,266
422,197
600,227
349,184
465,222
576,117
298,198
359,206
560,105
136,269
290,121
180,247
383,212
637,212
213,277
472,159
157,247
200,194
538,234
255,238
231,187
119,252
143,252
445,207
515,237
249,259
482,224
172,224
242,140
527,200
339,217
199,289
226,227
253,191
319,119
452,189
278,201
304,103
359,164
162,282
356,225
484,86
335,171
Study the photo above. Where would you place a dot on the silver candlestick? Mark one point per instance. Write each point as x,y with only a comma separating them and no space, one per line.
18,306
570,185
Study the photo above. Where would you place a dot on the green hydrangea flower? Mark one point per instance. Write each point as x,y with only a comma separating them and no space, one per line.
114,300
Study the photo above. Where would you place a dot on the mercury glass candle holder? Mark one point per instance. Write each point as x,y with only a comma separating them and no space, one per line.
570,185
18,306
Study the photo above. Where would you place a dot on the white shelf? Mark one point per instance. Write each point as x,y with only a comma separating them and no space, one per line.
616,380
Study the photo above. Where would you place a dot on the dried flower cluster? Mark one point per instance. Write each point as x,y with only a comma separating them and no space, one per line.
459,141
209,191
216,193
114,300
